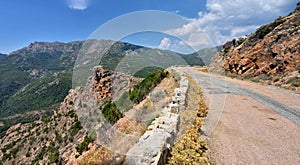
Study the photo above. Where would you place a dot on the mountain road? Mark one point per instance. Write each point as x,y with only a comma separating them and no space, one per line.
249,123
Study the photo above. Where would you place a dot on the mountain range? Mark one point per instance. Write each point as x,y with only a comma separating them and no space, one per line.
35,79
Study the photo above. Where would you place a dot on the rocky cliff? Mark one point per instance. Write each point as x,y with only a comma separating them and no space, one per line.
270,55
67,136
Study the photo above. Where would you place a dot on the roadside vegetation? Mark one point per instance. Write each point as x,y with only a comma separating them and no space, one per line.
191,148
83,146
111,113
140,91
146,111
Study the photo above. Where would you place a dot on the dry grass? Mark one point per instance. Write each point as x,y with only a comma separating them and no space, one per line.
99,156
130,126
168,84
188,116
190,148
202,68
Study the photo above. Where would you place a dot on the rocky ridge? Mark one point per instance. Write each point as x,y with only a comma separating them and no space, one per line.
270,55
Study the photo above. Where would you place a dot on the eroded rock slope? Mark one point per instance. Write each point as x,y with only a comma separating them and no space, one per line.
271,54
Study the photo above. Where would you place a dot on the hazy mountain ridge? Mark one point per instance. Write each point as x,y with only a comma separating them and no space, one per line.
270,55
2,55
205,55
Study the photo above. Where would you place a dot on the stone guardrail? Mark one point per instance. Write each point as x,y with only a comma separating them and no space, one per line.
153,147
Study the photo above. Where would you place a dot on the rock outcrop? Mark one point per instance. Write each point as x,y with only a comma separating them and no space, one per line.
102,83
271,54
62,137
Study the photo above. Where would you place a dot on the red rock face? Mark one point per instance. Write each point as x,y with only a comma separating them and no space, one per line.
273,50
102,83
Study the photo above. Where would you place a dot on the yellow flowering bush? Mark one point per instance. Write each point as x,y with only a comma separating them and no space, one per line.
190,149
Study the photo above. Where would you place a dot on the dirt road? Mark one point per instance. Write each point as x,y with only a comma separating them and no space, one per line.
249,123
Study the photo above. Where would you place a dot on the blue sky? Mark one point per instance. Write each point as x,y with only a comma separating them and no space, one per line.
23,22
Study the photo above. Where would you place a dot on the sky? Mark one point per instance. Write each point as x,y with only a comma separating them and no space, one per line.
206,22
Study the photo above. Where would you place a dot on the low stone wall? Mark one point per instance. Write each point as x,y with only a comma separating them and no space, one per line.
152,148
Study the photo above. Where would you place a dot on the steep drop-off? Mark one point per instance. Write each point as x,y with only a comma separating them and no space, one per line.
64,136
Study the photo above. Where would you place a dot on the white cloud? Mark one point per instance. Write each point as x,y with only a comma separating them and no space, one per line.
78,4
175,45
176,11
240,30
165,43
228,19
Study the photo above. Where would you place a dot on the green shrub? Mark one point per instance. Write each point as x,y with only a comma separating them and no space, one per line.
28,154
298,7
264,77
33,125
92,136
240,41
14,152
18,129
41,154
140,91
46,120
46,130
58,138
72,114
31,140
111,112
264,30
295,81
6,156
54,156
275,79
8,146
146,71
84,145
75,128
124,103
